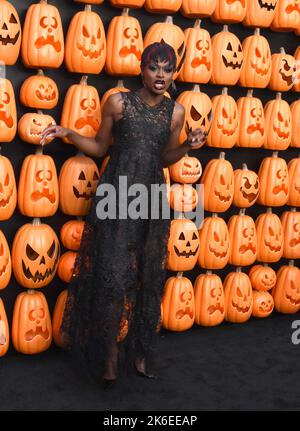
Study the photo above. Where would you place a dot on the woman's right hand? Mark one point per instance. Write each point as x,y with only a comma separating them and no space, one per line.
54,132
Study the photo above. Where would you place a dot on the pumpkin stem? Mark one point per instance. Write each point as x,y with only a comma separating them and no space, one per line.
79,154
88,8
40,72
40,112
245,167
179,274
282,50
269,211
196,88
222,155
250,93
43,1
125,11
186,155
120,83
79,218
197,23
209,272
181,216
215,215
275,154
291,262
225,91
225,28
30,291
39,150
242,212
293,210
36,221
278,96
257,32
265,265
239,269
0,150
169,19
83,80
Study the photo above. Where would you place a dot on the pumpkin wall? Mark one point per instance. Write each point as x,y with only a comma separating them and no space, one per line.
17,150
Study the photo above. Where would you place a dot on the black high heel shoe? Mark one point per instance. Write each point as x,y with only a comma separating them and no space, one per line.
144,373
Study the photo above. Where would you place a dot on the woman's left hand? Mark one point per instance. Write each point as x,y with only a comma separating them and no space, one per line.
196,138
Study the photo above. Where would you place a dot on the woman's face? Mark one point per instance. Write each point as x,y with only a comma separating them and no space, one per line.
158,76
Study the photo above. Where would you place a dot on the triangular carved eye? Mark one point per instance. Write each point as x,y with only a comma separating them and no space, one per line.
271,232
216,237
181,236
85,31
229,47
247,184
194,236
13,19
51,250
31,254
95,177
6,182
81,176
195,114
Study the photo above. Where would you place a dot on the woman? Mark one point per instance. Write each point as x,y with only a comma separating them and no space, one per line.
121,266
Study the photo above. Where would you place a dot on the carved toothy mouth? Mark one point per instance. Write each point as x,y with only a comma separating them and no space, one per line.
294,242
6,40
221,197
4,267
189,174
218,254
84,195
268,284
289,79
231,64
250,247
244,309
125,51
249,197
213,308
292,300
89,53
224,131
30,335
184,253
46,97
186,312
37,195
292,8
265,5
281,134
281,188
38,275
260,71
255,128
7,120
265,309
4,202
271,247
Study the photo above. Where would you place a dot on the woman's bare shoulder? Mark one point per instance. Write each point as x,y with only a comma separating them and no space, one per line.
178,115
114,103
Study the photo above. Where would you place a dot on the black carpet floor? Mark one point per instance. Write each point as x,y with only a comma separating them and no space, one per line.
254,366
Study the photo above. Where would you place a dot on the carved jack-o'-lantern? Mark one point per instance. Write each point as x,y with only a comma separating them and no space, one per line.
214,240
228,58
123,54
270,237
81,111
4,330
183,245
71,234
295,113
197,111
238,297
8,111
197,8
246,187
287,15
291,230
262,277
294,182
260,13
65,267
35,254
133,4
58,316
256,70
263,304
183,197
38,186
230,11
197,66
274,181
169,33
78,180
43,38
178,304
286,293
31,326
187,170
296,86
10,33
85,43
5,262
8,190
31,125
162,6
209,300
243,240
251,121
218,180
39,92
225,124
283,71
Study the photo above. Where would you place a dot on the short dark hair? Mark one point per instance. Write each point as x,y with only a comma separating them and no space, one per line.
159,50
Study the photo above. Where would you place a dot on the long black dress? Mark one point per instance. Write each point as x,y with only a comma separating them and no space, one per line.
121,266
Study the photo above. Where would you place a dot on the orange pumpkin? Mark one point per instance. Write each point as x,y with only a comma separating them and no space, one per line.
31,125
171,34
256,70
197,66
43,38
287,16
294,183
238,297
81,110
162,6
5,262
209,300
124,46
270,235
197,8
35,254
187,170
10,33
178,304
246,187
228,58
197,111
260,13
8,111
263,304
184,197
85,43
183,245
252,126
71,234
218,181
296,86
225,124
39,91
4,330
262,277
214,240
8,189
38,194
230,11
31,326
117,89
243,240
290,221
286,293
274,181
133,4
283,71
58,317
295,113
66,266
78,180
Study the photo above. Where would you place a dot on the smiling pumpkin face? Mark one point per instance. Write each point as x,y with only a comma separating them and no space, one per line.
209,300
214,240
238,297
246,188
260,13
270,234
263,278
263,304
279,122
286,293
291,227
10,33
8,192
186,171
287,15
230,11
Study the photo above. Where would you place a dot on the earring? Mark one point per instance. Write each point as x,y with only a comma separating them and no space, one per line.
174,85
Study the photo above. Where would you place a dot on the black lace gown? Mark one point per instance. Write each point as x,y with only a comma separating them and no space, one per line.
121,266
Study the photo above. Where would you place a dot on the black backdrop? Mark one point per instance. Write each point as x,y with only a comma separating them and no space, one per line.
17,150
